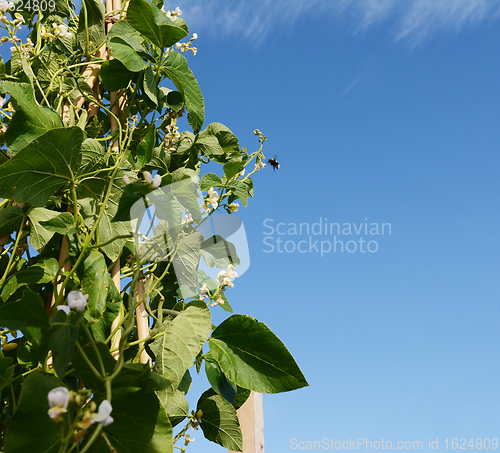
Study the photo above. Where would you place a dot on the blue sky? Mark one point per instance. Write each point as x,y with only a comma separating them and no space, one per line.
378,110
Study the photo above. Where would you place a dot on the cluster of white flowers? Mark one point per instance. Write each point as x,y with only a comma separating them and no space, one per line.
58,402
153,182
172,135
59,30
211,199
225,277
26,48
185,46
172,15
76,301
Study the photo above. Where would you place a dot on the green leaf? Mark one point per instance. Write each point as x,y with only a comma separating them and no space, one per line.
145,149
42,167
186,261
210,180
115,76
152,23
253,357
61,343
27,312
218,380
184,337
177,69
63,223
93,155
125,47
31,428
150,85
10,219
233,168
93,272
124,53
95,28
42,272
6,370
170,98
89,190
240,190
160,160
207,145
39,236
219,252
131,194
227,140
219,421
174,400
140,424
30,120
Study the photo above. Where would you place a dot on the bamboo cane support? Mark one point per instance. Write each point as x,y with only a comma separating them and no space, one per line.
251,417
142,320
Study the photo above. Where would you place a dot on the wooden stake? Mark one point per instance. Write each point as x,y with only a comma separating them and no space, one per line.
251,418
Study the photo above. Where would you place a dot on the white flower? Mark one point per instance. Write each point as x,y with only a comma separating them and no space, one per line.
231,272
227,282
178,46
194,50
147,177
178,11
61,30
219,301
58,401
189,219
4,6
156,181
242,173
233,207
221,275
213,197
2,100
64,308
204,291
195,36
77,301
103,414
58,397
126,180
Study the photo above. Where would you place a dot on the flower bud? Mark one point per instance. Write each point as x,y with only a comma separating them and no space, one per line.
147,177
77,301
156,181
126,180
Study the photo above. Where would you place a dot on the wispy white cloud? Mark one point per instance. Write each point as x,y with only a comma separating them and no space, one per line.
409,20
